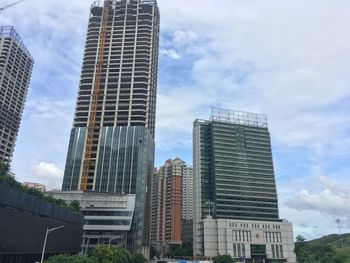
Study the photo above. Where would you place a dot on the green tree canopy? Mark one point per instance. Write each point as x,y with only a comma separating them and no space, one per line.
69,259
104,254
137,258
223,259
75,206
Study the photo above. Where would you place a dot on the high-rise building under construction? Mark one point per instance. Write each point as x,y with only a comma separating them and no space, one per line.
16,65
111,148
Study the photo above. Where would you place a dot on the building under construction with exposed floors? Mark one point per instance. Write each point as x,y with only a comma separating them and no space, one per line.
16,64
111,148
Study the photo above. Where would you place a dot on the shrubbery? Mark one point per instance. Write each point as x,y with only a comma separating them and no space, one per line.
101,254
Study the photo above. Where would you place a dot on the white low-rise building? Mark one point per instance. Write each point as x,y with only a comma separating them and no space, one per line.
108,218
250,241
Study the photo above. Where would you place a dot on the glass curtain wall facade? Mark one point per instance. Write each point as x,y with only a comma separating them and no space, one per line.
16,64
233,169
122,152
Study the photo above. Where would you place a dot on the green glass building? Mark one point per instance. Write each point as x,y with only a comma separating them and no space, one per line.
233,168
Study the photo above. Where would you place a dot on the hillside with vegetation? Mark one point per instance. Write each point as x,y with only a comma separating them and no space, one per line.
327,249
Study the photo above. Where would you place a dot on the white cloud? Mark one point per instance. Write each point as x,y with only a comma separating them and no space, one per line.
284,58
171,53
325,196
48,174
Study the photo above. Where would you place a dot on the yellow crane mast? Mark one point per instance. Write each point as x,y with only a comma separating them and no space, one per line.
95,97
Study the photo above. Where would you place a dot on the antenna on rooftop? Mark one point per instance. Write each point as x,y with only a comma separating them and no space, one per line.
11,4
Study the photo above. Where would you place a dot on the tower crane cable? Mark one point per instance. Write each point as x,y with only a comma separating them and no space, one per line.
11,4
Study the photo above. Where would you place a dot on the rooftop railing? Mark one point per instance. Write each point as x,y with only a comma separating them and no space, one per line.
239,117
10,32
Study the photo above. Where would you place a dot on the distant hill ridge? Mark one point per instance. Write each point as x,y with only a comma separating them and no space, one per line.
332,240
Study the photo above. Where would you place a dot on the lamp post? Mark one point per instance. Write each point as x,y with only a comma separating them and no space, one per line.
209,203
48,231
111,239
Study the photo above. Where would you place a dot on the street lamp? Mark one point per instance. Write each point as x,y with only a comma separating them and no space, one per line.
209,203
48,231
111,239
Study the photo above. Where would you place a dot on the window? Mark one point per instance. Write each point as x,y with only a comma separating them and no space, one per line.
281,251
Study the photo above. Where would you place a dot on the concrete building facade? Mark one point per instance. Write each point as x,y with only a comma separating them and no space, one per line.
233,172
171,201
36,186
116,155
16,64
263,241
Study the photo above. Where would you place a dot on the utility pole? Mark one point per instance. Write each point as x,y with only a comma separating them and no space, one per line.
339,223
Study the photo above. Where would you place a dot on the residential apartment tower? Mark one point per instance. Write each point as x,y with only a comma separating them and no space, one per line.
171,201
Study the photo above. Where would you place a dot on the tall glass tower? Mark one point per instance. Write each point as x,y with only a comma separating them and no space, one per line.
16,65
111,147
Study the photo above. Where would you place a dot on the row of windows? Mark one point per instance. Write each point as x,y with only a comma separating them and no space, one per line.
277,251
239,235
239,250
273,237
117,222
106,213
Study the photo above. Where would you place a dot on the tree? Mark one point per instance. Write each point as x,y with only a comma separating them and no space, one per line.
121,255
223,259
137,258
302,250
4,168
68,259
323,253
75,206
104,254
154,252
183,250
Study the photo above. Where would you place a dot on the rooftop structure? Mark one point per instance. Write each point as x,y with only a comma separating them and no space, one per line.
10,32
239,117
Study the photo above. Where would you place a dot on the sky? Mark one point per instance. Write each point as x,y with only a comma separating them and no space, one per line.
288,59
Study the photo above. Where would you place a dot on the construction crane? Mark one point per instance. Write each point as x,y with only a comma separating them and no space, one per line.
9,5
94,99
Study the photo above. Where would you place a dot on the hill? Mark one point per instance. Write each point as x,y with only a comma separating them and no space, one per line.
332,240
326,249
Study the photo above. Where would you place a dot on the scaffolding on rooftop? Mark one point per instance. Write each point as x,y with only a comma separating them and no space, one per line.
99,3
239,117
